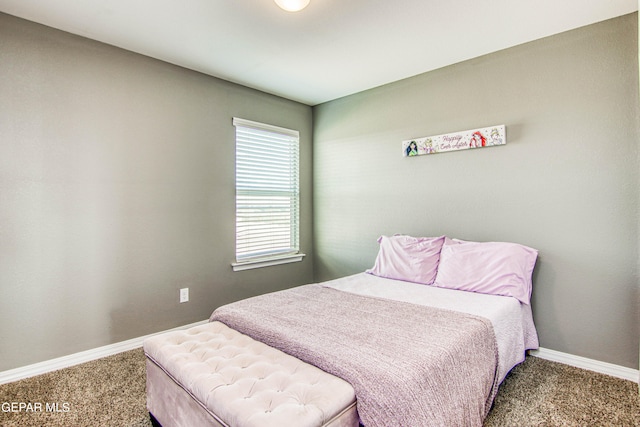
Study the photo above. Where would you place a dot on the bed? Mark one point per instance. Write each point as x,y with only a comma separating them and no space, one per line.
425,337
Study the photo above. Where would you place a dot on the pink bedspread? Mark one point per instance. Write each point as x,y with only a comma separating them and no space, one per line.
410,365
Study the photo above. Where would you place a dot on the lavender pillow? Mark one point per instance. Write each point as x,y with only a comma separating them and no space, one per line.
490,268
412,259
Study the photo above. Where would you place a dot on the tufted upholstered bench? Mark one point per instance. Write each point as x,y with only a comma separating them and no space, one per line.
212,375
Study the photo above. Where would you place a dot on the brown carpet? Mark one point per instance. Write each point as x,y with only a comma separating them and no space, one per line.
111,392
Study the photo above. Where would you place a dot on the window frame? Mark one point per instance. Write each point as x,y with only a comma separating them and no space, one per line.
291,254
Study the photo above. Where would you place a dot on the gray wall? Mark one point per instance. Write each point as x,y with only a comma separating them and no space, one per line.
116,185
566,183
117,189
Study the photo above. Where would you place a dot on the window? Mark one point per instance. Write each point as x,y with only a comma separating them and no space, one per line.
267,195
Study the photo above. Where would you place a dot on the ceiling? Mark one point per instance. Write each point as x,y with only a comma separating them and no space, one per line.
331,49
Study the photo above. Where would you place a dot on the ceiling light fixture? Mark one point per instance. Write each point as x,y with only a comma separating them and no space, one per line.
292,5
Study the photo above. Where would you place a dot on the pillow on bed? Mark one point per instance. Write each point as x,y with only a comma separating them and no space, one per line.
412,259
490,268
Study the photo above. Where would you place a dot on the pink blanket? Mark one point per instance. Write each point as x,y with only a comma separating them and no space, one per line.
410,365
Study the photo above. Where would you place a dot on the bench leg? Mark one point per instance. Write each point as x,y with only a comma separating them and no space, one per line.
154,422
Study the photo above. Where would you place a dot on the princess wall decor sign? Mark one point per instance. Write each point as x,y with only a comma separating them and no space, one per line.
476,138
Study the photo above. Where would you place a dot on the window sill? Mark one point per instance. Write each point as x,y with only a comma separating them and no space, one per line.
266,262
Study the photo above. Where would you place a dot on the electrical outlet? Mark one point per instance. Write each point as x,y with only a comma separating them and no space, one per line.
184,295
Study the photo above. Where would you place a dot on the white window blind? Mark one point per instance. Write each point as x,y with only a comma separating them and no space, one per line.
267,191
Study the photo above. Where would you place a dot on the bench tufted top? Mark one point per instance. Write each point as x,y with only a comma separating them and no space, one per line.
244,382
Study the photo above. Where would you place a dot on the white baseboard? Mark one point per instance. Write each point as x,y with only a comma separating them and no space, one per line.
589,364
109,350
82,357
